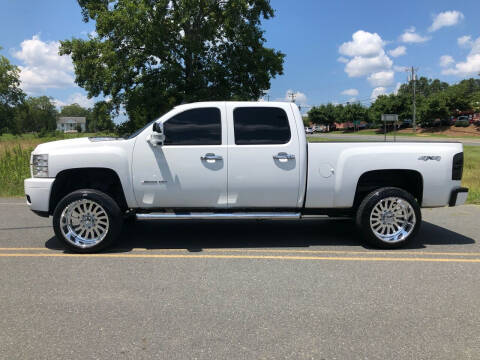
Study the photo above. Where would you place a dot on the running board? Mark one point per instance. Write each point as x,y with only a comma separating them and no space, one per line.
219,216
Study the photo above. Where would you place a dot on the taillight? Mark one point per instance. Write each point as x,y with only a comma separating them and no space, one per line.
457,166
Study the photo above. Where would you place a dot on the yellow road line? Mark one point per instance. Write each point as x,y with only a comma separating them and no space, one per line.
250,257
345,252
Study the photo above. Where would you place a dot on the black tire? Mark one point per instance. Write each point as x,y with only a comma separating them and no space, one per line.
367,206
113,212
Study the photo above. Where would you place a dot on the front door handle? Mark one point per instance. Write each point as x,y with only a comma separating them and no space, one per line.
210,157
283,156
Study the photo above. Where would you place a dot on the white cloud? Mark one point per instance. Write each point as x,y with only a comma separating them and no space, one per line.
446,60
350,92
342,59
42,67
471,65
381,78
410,36
377,92
465,41
363,44
362,66
399,51
444,19
76,98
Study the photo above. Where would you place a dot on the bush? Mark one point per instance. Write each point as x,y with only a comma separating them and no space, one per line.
462,123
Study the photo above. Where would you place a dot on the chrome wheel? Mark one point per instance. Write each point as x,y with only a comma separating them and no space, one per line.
84,223
392,219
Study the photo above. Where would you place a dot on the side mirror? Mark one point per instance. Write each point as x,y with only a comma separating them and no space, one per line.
157,137
158,127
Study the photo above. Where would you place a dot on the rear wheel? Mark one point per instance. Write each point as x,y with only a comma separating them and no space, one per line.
389,217
87,221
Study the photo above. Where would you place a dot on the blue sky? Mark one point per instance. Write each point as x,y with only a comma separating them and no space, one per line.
337,51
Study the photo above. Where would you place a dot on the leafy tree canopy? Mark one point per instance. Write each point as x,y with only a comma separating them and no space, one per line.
149,55
10,94
73,110
36,114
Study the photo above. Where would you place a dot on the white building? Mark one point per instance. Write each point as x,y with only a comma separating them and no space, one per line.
70,124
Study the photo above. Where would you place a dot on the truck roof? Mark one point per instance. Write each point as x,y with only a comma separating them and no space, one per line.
238,103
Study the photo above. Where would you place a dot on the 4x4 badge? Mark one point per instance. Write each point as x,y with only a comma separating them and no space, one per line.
429,157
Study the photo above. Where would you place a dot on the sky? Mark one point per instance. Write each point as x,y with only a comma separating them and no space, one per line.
336,51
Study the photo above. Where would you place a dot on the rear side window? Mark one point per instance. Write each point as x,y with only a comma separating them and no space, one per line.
260,126
201,126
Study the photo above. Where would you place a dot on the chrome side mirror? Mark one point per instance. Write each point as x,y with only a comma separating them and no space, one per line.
157,137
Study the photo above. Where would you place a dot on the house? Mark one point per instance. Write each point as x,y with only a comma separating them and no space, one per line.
70,124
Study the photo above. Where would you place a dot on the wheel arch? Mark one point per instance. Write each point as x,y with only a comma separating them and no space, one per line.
102,179
408,180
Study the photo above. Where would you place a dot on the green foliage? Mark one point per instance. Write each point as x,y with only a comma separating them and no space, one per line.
434,107
14,168
329,114
73,110
462,123
10,95
149,56
36,114
100,117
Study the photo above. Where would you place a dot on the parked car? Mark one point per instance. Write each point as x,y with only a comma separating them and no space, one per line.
238,160
308,130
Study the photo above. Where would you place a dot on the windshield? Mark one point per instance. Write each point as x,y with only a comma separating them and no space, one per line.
131,136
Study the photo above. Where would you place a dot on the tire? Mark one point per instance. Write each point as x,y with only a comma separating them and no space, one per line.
389,218
87,221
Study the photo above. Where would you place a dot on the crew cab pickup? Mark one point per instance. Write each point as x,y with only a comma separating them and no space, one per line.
238,160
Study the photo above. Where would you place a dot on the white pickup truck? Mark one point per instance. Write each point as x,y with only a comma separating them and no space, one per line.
238,160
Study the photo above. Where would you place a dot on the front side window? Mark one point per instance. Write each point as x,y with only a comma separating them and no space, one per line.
260,126
201,126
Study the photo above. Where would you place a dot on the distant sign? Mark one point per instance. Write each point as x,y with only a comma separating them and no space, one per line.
389,117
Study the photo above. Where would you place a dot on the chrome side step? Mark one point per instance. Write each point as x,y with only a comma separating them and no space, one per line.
219,216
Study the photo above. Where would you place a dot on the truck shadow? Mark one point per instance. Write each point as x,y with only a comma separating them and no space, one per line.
198,235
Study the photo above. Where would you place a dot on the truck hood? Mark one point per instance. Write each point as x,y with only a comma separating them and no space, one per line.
45,148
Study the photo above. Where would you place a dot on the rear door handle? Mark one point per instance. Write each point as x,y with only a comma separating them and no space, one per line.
284,156
211,157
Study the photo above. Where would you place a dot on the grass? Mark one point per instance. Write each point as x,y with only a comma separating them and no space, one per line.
471,173
14,168
15,158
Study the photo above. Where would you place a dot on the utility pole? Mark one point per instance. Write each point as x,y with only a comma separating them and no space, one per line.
292,96
413,77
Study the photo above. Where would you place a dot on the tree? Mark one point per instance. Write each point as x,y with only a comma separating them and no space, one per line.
434,107
36,114
73,110
10,95
149,56
100,118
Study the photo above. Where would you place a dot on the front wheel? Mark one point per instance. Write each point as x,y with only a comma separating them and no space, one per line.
389,217
87,221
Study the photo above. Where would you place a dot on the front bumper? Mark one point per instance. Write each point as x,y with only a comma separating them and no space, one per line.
37,191
458,197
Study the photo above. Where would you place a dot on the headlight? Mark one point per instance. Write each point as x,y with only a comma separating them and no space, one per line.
40,165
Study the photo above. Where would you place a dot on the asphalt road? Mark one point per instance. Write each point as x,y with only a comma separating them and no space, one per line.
241,290
352,137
